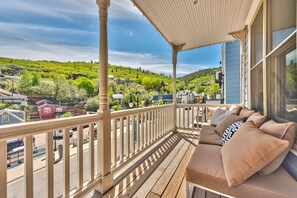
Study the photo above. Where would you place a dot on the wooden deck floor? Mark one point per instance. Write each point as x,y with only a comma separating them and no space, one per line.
161,173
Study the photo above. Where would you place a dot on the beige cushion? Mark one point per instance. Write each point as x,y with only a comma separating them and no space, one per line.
217,116
249,150
227,121
211,110
208,135
257,118
206,169
236,108
246,113
285,131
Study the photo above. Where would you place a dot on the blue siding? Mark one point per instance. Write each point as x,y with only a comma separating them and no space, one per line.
12,120
232,72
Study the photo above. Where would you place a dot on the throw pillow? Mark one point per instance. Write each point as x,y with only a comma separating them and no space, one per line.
249,150
227,121
257,119
211,110
285,131
236,108
246,113
230,131
217,116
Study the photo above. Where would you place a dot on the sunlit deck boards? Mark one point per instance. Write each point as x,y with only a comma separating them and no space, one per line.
162,172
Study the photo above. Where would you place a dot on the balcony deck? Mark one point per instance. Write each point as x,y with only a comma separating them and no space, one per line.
161,170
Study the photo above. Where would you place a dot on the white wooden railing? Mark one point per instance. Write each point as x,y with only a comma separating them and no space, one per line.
27,130
136,130
191,116
132,132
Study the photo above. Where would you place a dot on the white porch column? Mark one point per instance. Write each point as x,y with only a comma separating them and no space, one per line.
175,50
104,135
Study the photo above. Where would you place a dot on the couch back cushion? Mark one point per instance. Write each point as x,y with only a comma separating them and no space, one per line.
285,131
246,113
249,150
211,110
257,118
227,121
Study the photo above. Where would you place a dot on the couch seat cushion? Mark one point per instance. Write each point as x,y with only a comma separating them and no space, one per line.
206,169
208,135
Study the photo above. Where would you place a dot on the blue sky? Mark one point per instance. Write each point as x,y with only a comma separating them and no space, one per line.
67,30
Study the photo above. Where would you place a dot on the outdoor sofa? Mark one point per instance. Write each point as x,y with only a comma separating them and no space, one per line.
215,168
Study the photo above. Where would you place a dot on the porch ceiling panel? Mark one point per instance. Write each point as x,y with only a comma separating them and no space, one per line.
207,23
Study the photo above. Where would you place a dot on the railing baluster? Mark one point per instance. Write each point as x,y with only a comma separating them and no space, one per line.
145,129
188,118
203,115
128,136
150,127
3,168
133,134
154,125
91,151
66,164
121,139
197,117
142,131
192,120
138,132
114,144
28,166
180,116
49,165
80,157
184,118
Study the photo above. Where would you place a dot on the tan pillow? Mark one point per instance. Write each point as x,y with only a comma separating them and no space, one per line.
248,151
257,118
217,116
227,121
285,131
211,110
246,113
236,108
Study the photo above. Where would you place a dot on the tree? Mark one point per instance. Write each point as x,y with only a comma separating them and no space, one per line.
92,104
213,89
25,82
66,115
86,84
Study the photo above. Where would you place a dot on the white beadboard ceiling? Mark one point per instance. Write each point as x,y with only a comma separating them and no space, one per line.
182,22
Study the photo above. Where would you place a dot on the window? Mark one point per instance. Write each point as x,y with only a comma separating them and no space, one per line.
282,83
257,38
257,88
47,110
281,21
5,117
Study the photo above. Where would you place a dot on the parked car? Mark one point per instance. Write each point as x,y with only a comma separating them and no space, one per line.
59,133
12,144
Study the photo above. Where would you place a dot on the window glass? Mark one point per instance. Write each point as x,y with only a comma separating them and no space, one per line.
282,84
257,38
47,110
282,21
257,88
5,117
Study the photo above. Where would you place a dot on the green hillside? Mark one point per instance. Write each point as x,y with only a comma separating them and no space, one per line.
76,83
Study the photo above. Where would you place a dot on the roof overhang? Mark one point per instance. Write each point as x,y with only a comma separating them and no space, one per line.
207,23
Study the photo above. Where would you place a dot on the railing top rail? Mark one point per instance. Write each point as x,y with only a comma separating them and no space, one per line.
128,112
206,105
37,127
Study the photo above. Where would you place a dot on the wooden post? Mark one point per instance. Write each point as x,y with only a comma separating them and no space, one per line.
104,135
175,50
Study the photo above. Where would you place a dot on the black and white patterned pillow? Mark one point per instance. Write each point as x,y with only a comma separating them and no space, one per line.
230,131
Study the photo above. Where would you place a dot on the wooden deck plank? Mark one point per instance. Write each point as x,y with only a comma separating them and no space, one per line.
177,179
130,184
150,182
163,181
182,191
152,195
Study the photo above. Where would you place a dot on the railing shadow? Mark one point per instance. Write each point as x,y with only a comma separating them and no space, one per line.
127,183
